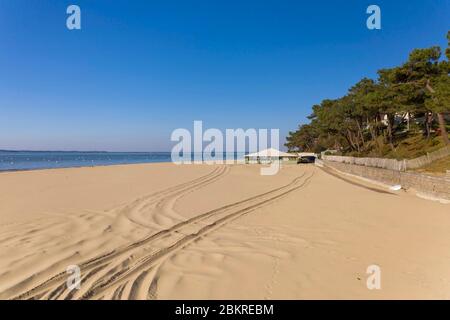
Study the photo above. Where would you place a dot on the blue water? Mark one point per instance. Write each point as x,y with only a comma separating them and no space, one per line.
29,160
32,160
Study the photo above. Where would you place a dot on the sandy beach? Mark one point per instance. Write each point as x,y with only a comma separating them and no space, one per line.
162,231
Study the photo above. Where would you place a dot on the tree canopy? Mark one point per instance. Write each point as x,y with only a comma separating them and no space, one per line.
411,98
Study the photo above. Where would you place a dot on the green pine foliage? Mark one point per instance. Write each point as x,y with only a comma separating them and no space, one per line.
408,103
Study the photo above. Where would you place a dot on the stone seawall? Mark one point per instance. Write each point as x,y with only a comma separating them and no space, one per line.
392,164
438,187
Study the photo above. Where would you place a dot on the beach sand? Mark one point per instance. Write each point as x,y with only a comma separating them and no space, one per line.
162,231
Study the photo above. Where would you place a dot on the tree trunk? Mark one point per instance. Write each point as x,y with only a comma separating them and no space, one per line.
360,131
441,119
372,132
349,139
390,119
408,115
427,127
442,127
428,121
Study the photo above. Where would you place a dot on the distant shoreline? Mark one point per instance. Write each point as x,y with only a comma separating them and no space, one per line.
36,160
77,151
43,160
81,167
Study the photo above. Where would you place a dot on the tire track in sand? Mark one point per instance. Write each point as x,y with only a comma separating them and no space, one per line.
128,266
138,207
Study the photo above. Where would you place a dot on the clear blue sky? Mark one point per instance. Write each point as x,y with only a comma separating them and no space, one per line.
139,69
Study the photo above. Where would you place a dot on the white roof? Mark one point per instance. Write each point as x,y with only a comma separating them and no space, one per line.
270,153
306,154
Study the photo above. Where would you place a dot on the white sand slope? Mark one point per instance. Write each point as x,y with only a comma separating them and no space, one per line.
161,231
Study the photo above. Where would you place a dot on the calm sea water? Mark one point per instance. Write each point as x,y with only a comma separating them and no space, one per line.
31,160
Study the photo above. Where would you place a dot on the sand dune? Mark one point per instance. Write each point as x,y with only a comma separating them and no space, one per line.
161,231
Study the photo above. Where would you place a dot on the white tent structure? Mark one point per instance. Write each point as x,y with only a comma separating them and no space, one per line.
269,155
307,154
